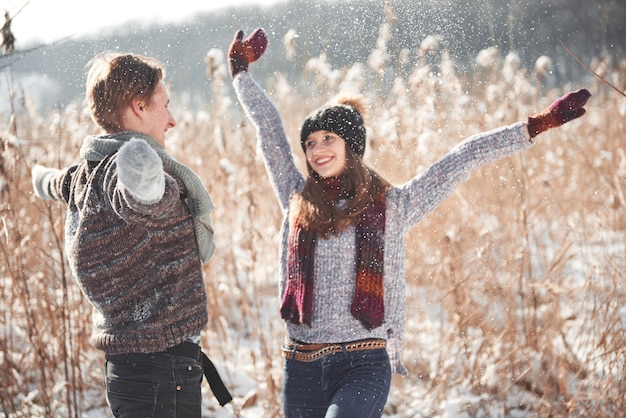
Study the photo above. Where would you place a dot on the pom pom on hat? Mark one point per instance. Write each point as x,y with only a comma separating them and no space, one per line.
344,117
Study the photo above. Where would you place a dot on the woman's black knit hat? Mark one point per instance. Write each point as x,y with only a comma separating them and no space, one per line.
343,120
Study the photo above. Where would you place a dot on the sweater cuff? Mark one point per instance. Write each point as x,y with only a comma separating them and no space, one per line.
527,132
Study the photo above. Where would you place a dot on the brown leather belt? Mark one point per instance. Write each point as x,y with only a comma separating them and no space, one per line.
310,352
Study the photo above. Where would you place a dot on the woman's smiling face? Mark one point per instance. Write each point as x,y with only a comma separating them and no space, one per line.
326,153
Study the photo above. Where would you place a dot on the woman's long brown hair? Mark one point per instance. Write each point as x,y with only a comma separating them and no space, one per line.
316,212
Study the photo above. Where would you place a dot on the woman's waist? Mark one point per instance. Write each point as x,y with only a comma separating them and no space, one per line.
307,352
354,345
339,330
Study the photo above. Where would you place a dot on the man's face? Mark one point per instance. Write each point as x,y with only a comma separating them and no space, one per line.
157,116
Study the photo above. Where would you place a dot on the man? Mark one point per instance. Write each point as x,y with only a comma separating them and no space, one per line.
136,234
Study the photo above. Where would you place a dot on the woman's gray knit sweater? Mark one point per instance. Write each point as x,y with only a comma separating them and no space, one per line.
335,257
139,265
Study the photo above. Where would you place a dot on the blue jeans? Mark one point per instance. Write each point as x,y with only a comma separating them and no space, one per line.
156,385
346,384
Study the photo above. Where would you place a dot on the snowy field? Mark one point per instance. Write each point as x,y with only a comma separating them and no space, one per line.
516,300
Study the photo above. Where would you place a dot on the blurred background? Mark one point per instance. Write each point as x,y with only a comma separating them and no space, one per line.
51,73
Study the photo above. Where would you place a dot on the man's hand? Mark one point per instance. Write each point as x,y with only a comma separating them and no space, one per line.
140,170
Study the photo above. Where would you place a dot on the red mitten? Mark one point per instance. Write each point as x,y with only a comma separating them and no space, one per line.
568,107
241,53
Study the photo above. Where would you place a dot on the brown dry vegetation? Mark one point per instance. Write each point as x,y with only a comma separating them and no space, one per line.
515,283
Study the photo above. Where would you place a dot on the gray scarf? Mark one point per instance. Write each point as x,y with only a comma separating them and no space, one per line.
96,148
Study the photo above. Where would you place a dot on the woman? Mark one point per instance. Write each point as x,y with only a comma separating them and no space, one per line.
342,277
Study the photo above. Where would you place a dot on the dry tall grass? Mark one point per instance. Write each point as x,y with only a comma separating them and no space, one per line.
516,283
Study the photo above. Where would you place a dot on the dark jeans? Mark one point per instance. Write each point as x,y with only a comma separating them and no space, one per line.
156,385
346,384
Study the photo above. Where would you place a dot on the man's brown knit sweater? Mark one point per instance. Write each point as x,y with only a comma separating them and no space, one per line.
137,264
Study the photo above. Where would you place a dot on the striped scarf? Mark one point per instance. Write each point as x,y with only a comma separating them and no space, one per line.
368,302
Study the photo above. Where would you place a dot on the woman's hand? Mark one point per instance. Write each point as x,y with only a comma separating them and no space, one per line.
563,110
243,52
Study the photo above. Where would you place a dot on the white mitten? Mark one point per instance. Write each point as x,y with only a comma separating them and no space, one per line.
140,170
41,179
